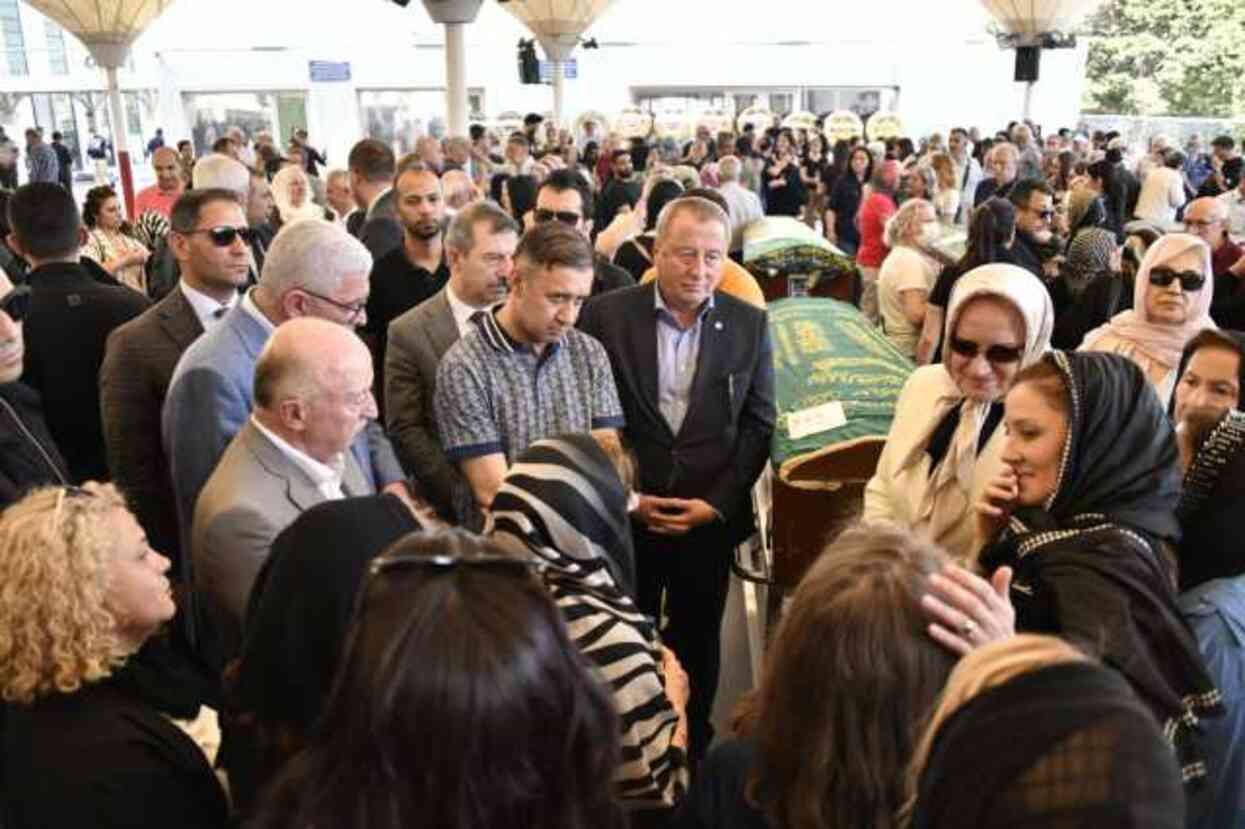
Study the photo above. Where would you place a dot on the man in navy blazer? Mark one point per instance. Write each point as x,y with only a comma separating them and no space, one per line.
313,269
695,376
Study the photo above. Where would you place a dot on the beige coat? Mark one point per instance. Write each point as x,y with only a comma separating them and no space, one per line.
895,491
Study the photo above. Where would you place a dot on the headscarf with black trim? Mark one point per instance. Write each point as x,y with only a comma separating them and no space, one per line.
1087,564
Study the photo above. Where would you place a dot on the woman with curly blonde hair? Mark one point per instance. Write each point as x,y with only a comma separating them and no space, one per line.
83,741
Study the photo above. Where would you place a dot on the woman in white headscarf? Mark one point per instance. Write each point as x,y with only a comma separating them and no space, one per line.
1171,304
291,191
944,443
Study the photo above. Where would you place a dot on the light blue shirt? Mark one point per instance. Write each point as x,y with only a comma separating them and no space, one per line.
677,351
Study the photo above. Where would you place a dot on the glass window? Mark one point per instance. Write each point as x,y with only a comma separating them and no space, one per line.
12,40
400,117
58,61
212,113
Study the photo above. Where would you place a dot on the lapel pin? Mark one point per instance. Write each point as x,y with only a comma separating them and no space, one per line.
718,325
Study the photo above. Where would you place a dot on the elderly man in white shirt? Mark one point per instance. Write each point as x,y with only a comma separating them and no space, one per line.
313,396
1233,202
742,205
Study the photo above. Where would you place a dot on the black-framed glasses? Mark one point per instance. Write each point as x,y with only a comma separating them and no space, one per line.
16,303
995,354
1045,215
353,311
566,217
1189,280
224,235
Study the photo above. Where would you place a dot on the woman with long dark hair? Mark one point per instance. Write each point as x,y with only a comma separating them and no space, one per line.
459,702
111,241
844,202
990,233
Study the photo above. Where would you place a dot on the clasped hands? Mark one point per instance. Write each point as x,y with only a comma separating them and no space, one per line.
673,516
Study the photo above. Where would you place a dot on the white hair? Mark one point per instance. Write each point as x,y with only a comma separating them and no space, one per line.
315,255
906,222
217,170
728,168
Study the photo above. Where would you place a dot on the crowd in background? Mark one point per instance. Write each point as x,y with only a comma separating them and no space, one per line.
405,491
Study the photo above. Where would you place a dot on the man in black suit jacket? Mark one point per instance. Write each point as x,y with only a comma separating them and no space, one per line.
372,167
696,379
70,318
142,354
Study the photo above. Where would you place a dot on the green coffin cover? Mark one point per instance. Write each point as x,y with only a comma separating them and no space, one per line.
826,351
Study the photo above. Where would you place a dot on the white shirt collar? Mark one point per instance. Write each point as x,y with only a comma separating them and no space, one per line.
248,305
327,479
205,307
462,311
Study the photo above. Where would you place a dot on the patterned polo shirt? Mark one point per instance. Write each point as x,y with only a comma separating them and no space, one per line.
494,394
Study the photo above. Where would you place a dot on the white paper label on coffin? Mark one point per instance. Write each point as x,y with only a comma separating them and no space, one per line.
817,419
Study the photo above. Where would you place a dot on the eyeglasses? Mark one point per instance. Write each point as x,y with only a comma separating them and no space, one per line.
16,303
224,235
352,311
1045,215
566,217
1201,223
506,564
1189,280
995,354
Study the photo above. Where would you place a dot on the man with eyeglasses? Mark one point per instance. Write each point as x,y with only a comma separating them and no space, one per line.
1035,209
28,455
298,448
70,318
414,270
313,269
566,197
1205,218
208,237
525,373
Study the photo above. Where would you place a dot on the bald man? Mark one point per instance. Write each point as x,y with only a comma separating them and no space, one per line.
160,196
1206,218
313,397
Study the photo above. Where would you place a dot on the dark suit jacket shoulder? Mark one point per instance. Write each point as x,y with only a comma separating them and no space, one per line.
724,440
70,318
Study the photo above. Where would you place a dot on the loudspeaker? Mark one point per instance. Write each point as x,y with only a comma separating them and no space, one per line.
1028,63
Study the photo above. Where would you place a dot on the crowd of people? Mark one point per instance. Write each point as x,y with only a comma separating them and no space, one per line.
405,492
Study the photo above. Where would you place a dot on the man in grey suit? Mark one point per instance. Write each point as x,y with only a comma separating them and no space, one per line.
142,354
313,396
314,269
372,166
480,246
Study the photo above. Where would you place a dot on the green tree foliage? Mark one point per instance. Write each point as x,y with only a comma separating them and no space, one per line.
1167,57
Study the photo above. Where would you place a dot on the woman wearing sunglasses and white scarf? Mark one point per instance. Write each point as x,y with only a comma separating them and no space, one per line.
1171,304
944,443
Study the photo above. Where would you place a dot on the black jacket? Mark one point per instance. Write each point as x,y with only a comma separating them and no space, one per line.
28,456
606,276
103,756
70,318
724,440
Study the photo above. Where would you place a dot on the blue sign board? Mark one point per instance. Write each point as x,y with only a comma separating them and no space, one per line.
327,71
570,70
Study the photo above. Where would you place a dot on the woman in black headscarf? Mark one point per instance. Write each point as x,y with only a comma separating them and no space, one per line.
1065,743
1211,435
295,623
1086,497
564,502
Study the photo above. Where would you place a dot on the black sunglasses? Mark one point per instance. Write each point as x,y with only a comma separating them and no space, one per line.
995,354
225,235
1189,280
16,303
566,217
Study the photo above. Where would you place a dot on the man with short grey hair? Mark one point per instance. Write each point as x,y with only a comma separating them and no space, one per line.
742,205
314,269
479,246
1003,161
696,379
